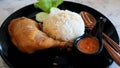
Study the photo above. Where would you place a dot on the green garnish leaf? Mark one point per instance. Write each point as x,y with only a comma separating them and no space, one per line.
46,5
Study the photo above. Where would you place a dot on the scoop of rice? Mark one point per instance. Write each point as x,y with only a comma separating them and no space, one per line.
64,25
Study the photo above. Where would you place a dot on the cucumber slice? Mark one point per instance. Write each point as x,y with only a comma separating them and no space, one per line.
54,10
40,17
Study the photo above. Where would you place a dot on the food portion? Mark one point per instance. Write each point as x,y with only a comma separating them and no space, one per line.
25,34
64,25
57,28
88,45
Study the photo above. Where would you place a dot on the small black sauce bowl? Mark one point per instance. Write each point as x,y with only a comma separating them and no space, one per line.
84,36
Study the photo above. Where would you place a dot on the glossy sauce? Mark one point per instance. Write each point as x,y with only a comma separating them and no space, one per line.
88,45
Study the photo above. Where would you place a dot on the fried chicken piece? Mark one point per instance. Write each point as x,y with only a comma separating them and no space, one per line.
27,36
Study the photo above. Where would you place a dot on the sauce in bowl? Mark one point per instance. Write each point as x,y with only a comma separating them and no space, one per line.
88,45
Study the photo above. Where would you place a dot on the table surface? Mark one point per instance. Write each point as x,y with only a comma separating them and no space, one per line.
109,8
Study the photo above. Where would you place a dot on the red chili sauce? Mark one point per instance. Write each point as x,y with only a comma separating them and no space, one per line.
88,45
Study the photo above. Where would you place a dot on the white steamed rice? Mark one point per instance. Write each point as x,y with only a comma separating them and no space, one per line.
64,25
